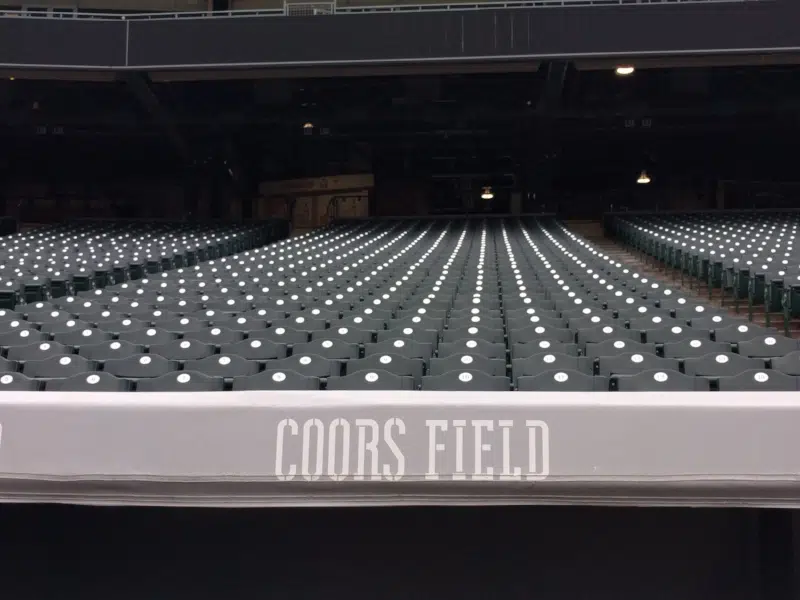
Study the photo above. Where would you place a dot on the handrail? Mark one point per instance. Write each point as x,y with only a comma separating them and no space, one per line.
522,4
61,13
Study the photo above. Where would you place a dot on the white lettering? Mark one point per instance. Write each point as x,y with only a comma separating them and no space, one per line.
509,473
459,474
333,450
538,431
318,466
316,449
282,425
365,446
401,461
480,448
434,425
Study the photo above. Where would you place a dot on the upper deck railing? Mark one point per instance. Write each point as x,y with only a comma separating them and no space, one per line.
331,8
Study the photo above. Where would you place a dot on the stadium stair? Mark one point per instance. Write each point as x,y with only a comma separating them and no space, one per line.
712,283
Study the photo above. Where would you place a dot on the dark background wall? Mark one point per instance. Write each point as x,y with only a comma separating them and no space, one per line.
530,553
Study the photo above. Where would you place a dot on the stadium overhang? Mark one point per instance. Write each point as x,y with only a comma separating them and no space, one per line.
406,37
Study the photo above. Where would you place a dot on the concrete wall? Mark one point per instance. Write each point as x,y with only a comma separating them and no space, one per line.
314,202
402,197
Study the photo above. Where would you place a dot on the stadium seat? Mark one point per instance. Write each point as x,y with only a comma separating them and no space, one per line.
544,362
38,351
435,305
140,366
720,365
466,380
223,365
631,364
89,382
182,350
693,347
255,349
58,366
110,350
759,380
276,380
768,346
391,363
562,381
182,381
328,348
789,364
614,347
371,380
17,382
659,381
310,365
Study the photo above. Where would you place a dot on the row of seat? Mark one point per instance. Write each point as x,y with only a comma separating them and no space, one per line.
186,350
745,256
64,259
492,298
342,339
461,381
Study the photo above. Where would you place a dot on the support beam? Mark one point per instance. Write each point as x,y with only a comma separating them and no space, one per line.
140,87
552,94
543,151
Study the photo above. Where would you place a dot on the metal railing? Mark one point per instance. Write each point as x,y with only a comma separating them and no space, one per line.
330,8
142,16
309,9
522,4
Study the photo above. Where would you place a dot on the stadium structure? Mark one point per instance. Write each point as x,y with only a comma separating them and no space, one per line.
387,299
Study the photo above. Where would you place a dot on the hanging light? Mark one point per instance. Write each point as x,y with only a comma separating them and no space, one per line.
487,194
308,125
625,70
644,178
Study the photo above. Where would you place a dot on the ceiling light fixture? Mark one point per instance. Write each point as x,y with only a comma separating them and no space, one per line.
644,178
308,125
625,70
487,194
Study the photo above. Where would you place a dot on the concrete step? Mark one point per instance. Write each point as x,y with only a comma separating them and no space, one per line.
692,287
